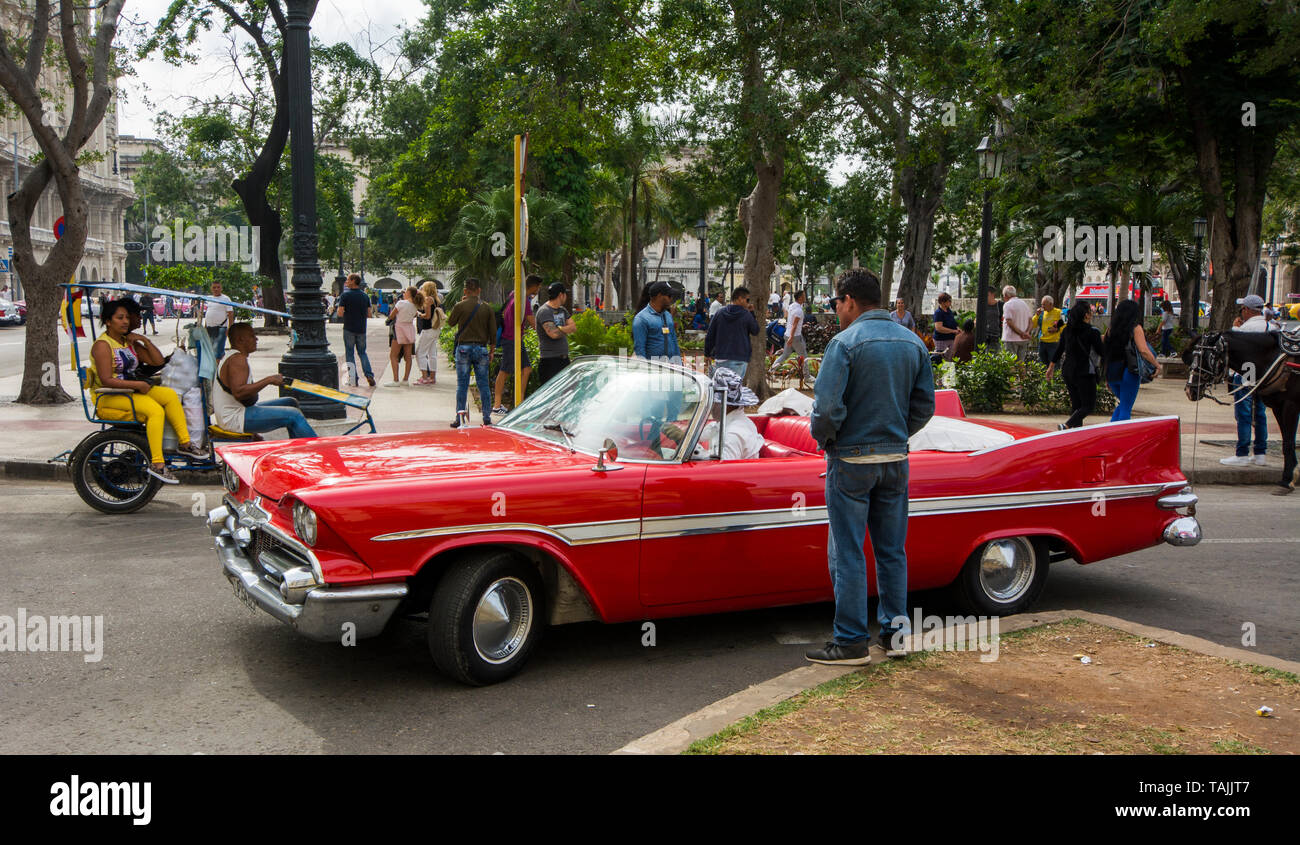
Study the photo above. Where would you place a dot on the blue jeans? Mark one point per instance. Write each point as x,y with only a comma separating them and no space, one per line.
862,499
277,413
1166,344
475,356
218,335
1126,389
356,341
1249,412
737,367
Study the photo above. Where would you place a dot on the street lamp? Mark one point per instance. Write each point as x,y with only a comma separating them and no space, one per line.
1198,231
702,229
361,227
1272,279
309,357
990,162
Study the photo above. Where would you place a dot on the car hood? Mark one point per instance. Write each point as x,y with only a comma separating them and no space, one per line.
385,458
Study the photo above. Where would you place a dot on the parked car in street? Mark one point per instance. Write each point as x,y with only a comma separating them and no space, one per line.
11,313
579,506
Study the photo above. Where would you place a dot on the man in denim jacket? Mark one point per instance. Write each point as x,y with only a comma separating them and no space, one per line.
874,391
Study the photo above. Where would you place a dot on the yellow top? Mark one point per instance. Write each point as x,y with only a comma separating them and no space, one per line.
124,362
1049,319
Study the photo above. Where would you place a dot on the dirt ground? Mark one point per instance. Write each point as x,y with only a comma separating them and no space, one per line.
1038,697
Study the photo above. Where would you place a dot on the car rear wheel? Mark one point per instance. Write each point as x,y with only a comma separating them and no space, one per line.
486,617
110,471
1003,576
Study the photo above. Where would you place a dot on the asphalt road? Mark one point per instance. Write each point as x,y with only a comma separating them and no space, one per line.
186,668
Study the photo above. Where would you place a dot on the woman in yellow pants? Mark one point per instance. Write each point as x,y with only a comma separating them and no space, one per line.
115,364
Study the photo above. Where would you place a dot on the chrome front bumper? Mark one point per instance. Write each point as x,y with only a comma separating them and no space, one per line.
1184,531
280,582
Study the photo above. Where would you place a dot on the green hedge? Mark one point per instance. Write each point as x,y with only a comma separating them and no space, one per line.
990,380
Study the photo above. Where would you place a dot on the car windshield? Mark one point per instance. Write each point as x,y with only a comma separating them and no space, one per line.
626,400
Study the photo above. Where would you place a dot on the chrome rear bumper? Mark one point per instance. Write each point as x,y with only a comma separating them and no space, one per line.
1184,531
292,593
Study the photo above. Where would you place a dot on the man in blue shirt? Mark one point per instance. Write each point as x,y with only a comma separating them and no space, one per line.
874,391
356,310
654,332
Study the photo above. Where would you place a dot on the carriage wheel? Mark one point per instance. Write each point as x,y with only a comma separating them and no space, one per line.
110,470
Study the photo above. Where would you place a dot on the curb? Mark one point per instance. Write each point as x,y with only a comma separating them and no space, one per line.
42,471
678,736
1234,475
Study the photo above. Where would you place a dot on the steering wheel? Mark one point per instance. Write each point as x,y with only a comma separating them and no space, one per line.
656,426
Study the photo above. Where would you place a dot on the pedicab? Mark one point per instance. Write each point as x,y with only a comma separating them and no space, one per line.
110,467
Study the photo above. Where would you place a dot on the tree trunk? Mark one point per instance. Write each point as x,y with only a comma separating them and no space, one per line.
922,193
758,219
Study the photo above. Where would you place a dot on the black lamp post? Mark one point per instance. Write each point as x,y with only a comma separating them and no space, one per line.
990,162
731,273
702,229
1272,278
1198,231
362,228
340,281
309,357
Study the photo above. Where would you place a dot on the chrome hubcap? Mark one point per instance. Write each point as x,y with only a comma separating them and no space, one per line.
502,620
1007,568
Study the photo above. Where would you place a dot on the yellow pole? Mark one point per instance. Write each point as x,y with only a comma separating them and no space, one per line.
519,281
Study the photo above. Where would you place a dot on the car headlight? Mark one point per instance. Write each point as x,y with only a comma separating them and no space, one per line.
230,478
304,523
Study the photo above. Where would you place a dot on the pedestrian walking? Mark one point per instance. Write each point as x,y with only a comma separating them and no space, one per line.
1079,353
1049,322
1249,411
794,324
874,391
1015,323
216,319
531,285
356,311
1126,347
945,326
147,314
402,347
428,326
553,335
476,332
1166,328
728,343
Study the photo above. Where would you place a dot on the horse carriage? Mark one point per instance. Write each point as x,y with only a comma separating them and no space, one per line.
110,467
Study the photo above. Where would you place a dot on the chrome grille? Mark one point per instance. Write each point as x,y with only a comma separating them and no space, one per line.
264,541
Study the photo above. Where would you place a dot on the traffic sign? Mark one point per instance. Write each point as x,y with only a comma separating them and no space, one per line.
58,229
4,265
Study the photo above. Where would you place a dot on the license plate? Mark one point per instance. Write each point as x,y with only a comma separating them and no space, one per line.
241,593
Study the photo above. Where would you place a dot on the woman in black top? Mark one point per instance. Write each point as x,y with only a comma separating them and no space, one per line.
1080,372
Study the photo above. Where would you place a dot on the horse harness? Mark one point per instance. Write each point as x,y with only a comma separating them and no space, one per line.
1210,362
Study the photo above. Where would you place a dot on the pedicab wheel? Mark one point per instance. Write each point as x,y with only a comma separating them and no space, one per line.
486,617
110,471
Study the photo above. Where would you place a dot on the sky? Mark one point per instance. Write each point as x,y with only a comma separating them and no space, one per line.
158,86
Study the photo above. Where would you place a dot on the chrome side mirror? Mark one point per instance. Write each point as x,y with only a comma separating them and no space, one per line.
610,450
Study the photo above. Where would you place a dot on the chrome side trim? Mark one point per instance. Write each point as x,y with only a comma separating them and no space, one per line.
1039,437
659,527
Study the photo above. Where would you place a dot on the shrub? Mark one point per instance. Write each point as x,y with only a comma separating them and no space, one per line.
985,381
817,334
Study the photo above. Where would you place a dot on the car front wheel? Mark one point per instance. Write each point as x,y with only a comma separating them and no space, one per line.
1003,576
486,617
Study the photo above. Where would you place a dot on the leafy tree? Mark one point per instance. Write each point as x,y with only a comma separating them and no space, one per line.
82,50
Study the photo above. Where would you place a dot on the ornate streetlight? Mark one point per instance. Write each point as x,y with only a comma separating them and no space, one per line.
309,357
1272,279
1198,231
702,229
362,228
990,162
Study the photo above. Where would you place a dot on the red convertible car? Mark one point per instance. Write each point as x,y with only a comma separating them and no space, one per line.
577,506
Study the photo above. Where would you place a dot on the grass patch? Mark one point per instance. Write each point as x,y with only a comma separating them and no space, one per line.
1233,746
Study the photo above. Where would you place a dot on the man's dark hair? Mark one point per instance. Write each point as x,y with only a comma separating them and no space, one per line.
738,293
238,330
472,284
861,285
944,297
968,327
354,277
799,296
532,280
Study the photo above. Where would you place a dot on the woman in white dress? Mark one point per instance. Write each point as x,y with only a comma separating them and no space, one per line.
429,325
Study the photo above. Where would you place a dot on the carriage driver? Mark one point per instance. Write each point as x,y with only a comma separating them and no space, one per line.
741,440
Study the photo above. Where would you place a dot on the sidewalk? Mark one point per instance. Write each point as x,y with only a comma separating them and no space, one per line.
30,436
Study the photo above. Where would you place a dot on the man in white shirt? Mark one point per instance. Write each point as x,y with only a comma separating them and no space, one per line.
740,439
794,342
717,304
216,319
1015,323
1250,412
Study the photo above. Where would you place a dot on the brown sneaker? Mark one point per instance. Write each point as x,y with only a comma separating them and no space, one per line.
371,379
192,450
163,474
